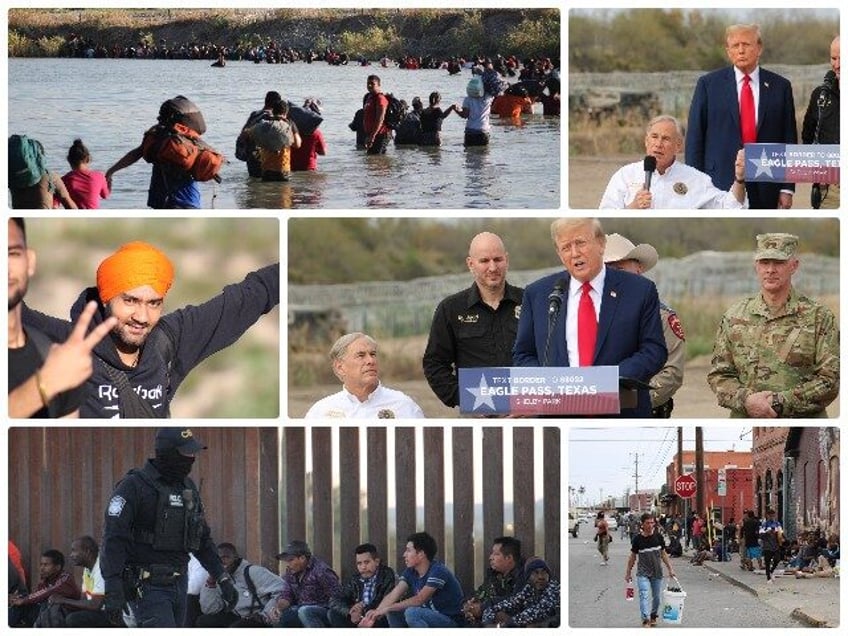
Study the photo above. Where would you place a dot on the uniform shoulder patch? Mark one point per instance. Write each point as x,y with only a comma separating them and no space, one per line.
116,506
676,326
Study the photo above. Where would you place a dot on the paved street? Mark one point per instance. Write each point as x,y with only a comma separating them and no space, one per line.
596,593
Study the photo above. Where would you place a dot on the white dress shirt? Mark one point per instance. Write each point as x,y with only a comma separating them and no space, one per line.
383,403
575,291
681,187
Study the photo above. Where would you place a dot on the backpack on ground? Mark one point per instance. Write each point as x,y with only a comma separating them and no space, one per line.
395,112
26,162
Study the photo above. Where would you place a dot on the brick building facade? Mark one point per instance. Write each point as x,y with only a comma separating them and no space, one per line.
737,476
794,470
797,473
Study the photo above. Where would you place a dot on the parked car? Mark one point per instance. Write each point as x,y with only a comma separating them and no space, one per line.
573,523
612,524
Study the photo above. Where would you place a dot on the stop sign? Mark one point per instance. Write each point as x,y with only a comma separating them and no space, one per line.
685,486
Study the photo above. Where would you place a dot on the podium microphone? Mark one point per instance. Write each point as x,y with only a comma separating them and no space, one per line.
555,297
650,165
554,306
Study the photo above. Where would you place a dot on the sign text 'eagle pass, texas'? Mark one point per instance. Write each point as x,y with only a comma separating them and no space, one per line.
539,390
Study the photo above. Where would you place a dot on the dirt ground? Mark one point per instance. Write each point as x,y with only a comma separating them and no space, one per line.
693,400
588,177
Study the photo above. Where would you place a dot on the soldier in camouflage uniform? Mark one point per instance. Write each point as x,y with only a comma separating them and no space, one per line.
776,354
621,253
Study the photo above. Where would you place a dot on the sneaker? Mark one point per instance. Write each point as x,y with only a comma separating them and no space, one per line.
646,622
603,562
769,582
653,620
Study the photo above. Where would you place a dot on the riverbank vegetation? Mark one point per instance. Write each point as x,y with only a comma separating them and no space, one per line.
651,40
418,248
367,33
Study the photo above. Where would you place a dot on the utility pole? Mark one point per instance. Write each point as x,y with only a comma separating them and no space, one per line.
680,466
699,470
636,476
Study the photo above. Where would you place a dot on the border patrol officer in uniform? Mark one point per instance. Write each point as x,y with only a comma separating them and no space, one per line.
153,521
475,327
776,354
621,253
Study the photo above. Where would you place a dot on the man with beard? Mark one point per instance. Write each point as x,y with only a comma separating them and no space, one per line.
154,519
43,377
474,327
139,369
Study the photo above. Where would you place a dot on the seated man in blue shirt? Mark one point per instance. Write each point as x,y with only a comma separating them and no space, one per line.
432,596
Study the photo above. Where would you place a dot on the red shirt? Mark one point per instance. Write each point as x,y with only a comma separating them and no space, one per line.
372,111
63,585
306,157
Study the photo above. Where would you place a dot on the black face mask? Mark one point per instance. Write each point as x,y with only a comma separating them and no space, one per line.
173,465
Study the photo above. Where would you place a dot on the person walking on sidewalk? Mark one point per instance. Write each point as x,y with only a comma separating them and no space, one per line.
602,537
770,537
751,543
650,549
697,532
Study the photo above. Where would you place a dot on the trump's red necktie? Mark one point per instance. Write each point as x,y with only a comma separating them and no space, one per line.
587,327
747,117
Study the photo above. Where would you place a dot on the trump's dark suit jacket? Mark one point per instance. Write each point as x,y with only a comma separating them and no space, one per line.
713,135
629,330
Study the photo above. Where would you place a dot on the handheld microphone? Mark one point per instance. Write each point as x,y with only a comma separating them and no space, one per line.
650,164
555,297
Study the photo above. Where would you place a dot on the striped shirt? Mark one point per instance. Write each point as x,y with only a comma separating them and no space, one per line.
649,550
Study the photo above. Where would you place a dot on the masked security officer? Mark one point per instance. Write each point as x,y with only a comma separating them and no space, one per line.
154,519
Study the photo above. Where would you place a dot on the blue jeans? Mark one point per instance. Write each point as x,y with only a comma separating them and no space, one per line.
419,617
313,616
647,587
290,617
161,605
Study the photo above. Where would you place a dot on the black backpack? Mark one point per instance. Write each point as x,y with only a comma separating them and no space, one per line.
395,113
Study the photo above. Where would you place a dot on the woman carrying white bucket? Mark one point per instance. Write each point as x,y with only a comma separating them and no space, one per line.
649,546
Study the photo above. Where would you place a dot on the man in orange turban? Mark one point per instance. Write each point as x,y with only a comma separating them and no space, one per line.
132,284
138,370
134,265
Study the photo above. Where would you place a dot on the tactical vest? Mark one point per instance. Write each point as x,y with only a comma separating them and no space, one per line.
179,522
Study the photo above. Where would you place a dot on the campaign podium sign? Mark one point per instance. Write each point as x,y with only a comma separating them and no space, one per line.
792,163
539,390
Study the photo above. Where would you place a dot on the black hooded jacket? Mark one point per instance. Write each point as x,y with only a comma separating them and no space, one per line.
188,336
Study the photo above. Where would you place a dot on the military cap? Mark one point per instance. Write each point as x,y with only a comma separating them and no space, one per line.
776,246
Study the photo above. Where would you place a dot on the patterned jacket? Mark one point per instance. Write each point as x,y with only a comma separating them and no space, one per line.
528,606
314,586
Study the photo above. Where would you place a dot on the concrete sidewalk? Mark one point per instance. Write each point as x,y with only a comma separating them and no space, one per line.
814,602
